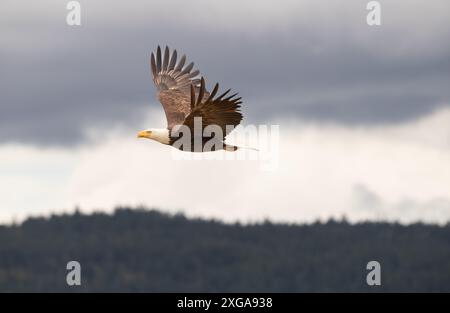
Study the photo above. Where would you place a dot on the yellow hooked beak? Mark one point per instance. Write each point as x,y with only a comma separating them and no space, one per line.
144,134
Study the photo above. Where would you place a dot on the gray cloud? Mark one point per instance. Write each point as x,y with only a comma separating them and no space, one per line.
56,81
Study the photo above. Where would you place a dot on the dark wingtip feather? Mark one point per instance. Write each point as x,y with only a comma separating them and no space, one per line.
181,63
230,97
223,95
166,59
187,69
158,59
173,60
194,73
153,64
213,93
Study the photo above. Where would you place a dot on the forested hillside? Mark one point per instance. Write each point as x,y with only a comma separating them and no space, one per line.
138,250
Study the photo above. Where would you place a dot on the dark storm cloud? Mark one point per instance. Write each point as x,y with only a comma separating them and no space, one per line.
56,81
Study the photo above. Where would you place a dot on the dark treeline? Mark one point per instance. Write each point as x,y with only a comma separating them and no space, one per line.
138,250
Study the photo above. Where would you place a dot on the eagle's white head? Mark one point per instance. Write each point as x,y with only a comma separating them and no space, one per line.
158,134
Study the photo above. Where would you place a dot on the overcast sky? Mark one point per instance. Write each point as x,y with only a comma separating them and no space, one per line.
313,60
313,67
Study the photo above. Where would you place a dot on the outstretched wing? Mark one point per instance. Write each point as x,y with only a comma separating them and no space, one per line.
173,81
214,110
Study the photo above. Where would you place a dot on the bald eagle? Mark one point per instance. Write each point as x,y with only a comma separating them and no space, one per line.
197,120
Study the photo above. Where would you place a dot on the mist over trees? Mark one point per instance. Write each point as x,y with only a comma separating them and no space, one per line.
148,251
